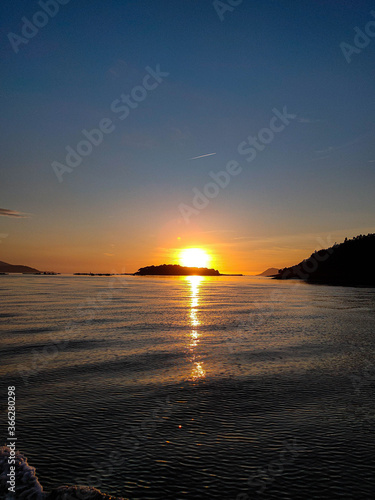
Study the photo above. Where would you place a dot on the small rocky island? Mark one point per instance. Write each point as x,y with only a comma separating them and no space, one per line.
176,270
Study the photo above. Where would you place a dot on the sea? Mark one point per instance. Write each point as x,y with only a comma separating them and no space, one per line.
172,388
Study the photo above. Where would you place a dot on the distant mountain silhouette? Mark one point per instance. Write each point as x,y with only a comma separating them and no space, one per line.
14,268
349,263
176,270
271,271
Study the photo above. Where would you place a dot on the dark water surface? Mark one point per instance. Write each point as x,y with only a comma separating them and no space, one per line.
192,388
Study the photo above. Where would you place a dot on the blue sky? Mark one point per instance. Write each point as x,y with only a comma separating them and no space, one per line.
119,207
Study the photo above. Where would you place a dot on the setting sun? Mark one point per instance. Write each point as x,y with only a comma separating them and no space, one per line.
194,257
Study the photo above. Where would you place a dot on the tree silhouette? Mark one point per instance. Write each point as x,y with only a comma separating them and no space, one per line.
347,263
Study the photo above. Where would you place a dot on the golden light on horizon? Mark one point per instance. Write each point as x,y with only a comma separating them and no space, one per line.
194,257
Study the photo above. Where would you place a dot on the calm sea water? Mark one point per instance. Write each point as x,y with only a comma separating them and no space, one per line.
192,388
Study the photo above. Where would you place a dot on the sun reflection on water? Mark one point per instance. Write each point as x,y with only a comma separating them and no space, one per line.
198,371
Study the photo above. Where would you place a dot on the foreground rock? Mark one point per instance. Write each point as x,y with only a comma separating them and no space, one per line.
28,487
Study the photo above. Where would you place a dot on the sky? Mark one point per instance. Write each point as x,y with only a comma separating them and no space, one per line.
281,91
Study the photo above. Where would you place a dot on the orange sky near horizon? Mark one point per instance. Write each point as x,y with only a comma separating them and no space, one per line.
256,151
78,249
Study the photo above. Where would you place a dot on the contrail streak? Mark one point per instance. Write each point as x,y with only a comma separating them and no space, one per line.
196,157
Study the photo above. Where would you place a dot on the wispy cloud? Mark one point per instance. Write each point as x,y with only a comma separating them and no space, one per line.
330,149
180,136
202,156
325,153
5,212
140,141
302,119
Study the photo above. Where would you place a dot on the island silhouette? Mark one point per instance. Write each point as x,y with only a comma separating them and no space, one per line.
176,270
271,271
350,263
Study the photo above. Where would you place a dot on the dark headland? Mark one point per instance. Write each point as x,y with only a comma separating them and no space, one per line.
6,268
15,268
176,270
350,263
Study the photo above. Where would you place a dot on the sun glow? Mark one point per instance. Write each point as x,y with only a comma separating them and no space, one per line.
194,257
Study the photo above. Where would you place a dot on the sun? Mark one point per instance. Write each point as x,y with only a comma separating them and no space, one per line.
194,257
